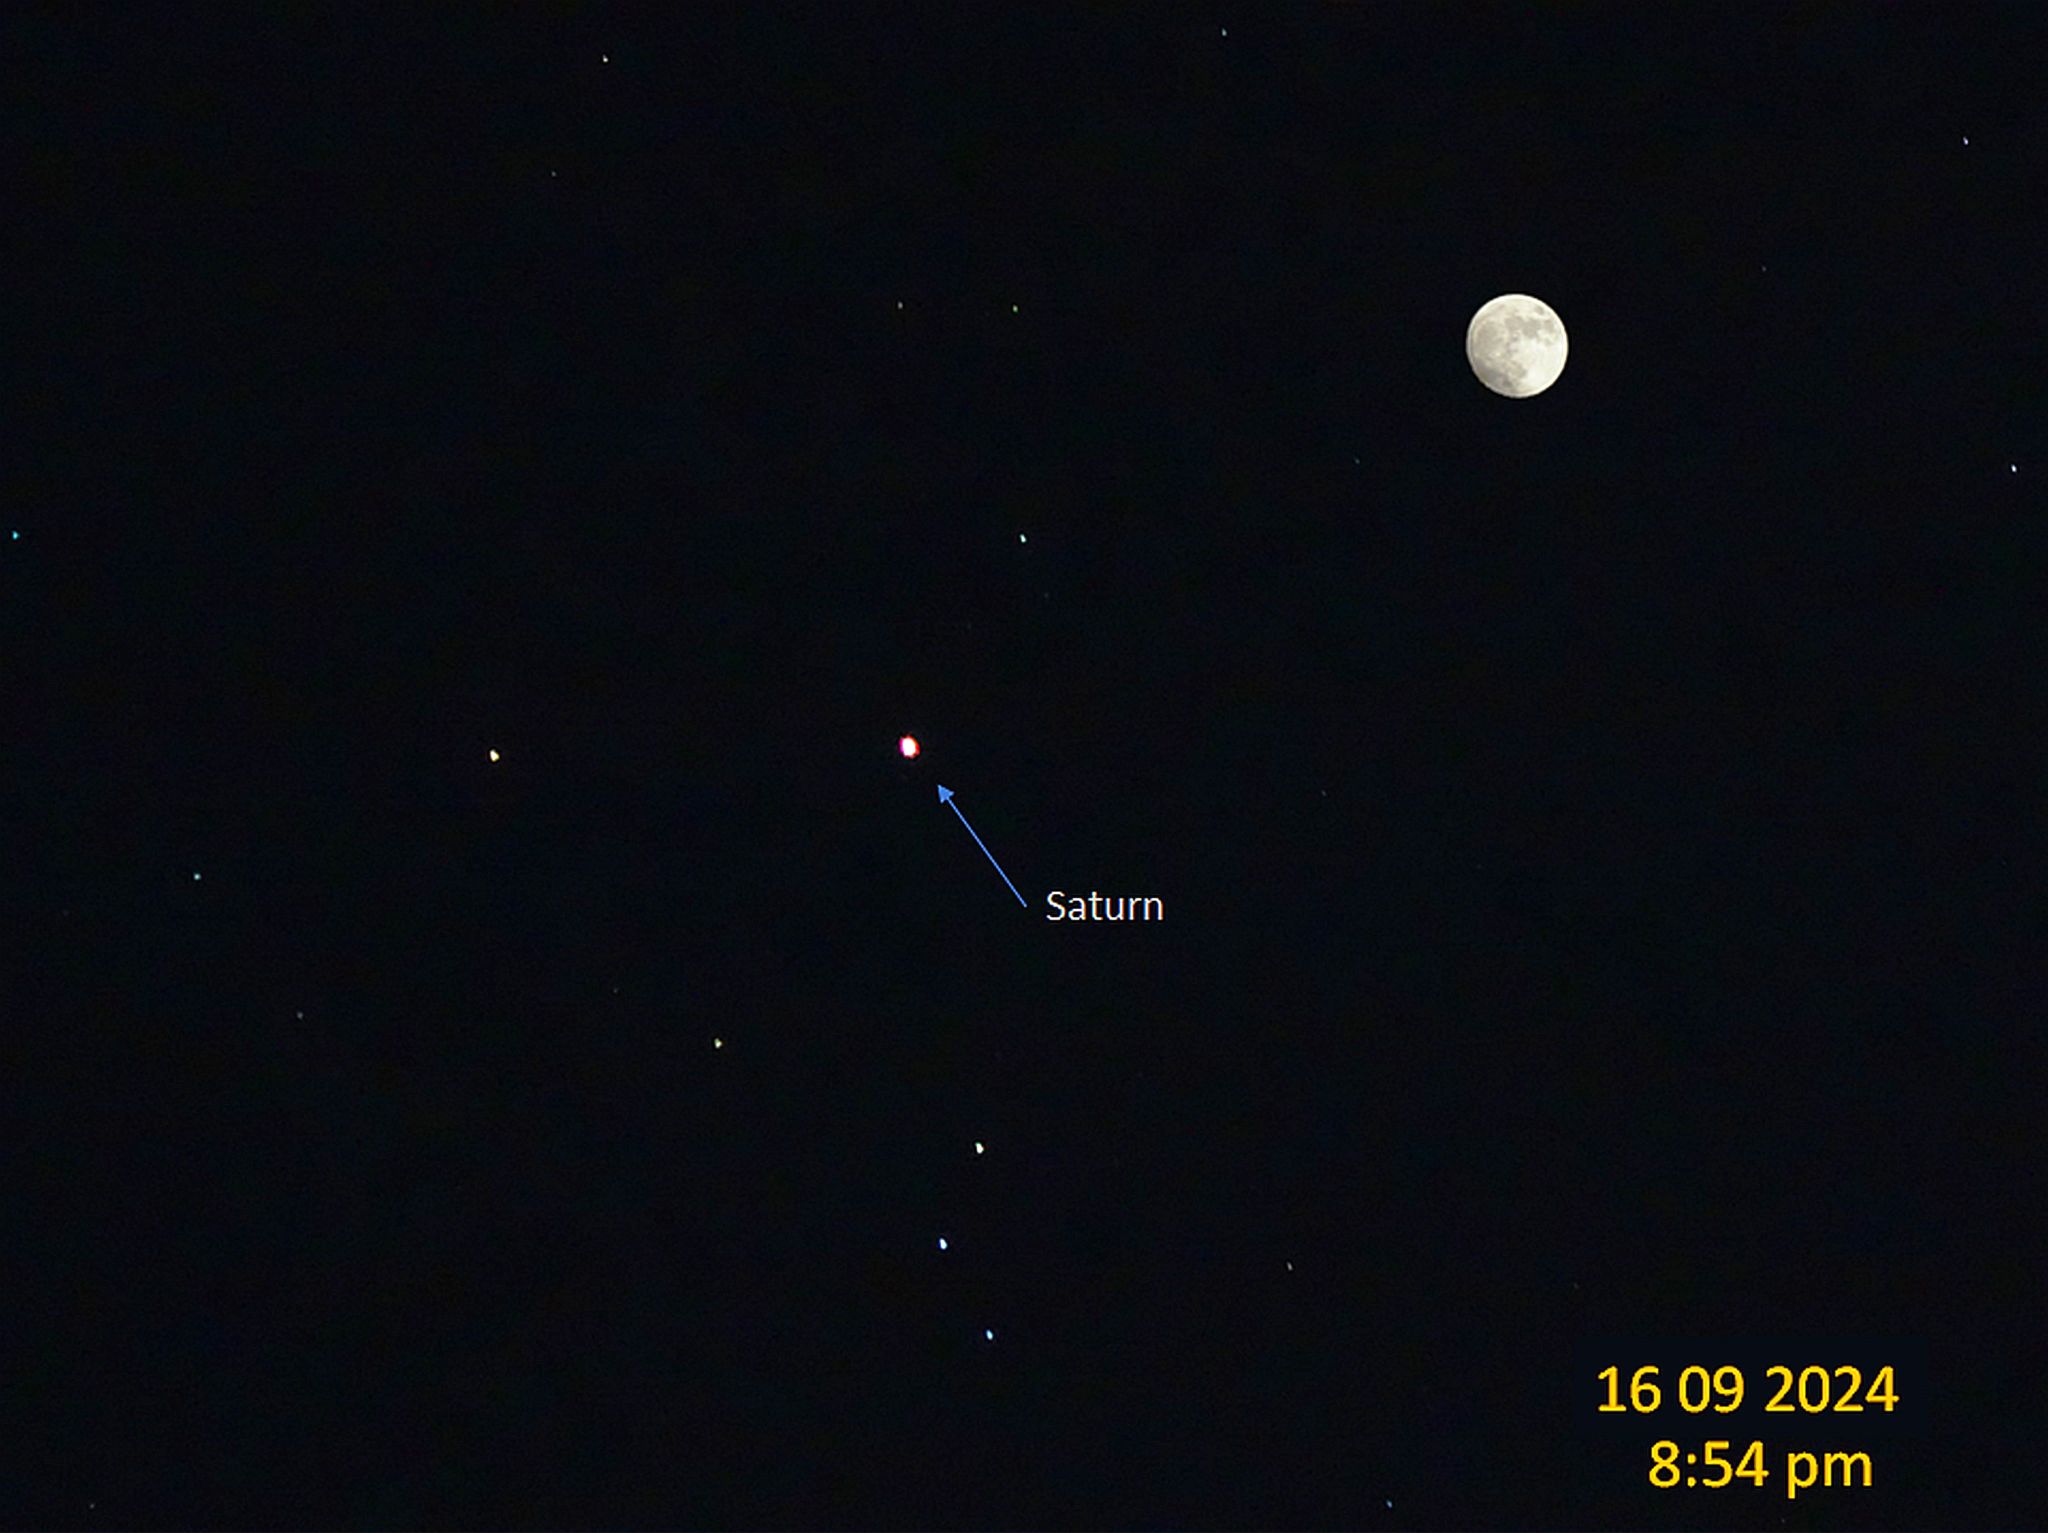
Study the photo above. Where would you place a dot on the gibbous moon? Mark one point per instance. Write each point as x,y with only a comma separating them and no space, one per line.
1516,345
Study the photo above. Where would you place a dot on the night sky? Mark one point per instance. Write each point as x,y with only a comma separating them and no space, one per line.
501,1035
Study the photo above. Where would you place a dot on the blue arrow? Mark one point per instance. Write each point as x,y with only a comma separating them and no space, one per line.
946,797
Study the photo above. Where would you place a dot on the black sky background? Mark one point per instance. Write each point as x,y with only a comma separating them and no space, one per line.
1596,831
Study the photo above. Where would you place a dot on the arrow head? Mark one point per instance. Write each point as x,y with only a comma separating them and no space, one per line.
945,795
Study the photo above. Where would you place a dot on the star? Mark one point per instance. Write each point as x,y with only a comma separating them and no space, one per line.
977,1146
494,755
942,1242
988,1335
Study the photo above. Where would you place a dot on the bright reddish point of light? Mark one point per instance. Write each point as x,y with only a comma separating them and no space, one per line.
909,746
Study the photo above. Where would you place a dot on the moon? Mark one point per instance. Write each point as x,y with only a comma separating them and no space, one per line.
1516,345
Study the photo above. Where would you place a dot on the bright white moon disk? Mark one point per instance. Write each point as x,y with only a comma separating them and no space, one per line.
1516,345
